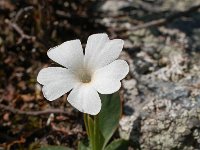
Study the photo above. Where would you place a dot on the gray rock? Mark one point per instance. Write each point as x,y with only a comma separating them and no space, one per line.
162,91
113,6
162,107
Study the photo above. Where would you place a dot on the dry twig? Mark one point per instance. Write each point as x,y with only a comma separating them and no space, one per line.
33,113
166,20
22,12
19,30
66,131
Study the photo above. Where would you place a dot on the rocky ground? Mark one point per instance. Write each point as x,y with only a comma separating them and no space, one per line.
161,93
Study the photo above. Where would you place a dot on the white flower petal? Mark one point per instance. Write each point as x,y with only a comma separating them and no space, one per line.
55,90
51,74
86,99
68,54
106,80
101,51
57,81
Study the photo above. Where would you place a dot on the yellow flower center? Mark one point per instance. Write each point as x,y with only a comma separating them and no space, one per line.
85,77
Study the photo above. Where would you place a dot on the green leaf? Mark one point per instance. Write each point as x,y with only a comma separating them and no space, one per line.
99,139
118,144
54,148
108,118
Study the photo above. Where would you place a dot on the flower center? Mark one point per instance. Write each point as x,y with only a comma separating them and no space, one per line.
85,77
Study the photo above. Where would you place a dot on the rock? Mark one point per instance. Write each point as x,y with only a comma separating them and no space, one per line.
181,129
168,120
161,94
113,6
165,113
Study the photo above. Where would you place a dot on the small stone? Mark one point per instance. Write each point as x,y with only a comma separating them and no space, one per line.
181,129
161,125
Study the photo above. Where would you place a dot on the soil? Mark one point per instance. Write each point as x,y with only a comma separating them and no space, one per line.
162,82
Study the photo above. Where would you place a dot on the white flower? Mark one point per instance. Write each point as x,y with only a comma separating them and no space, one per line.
85,74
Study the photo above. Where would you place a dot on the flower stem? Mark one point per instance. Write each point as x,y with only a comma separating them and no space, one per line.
86,124
89,125
96,134
92,130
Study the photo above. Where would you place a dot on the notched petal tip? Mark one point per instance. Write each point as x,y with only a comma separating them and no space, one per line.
112,89
46,95
94,113
68,54
125,68
119,41
117,45
39,76
47,74
97,36
62,44
85,99
106,80
52,95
